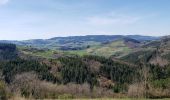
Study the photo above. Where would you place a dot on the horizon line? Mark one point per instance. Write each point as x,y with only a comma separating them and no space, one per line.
82,36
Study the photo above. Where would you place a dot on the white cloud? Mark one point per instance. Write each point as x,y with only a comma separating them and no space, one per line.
2,2
113,19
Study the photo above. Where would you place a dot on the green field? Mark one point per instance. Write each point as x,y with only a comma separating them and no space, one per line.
117,48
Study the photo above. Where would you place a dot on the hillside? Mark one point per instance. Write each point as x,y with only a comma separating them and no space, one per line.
116,48
102,45
88,71
154,52
84,50
68,74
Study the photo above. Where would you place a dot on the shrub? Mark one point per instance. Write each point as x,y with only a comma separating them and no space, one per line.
3,92
136,90
162,83
120,88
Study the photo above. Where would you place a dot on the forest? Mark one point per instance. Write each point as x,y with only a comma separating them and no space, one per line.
74,76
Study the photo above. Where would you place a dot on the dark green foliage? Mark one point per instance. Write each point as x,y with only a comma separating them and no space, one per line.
131,40
159,76
140,56
18,66
7,47
101,59
161,83
120,88
7,51
115,71
168,70
75,70
158,72
154,44
119,73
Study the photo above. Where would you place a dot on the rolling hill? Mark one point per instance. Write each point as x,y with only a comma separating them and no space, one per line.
76,42
114,48
103,45
154,52
114,68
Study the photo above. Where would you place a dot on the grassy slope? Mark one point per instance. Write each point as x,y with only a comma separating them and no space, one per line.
112,48
44,54
107,50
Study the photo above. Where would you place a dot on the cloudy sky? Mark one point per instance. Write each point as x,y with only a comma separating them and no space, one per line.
31,19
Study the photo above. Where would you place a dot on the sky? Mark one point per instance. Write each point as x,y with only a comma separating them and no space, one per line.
42,19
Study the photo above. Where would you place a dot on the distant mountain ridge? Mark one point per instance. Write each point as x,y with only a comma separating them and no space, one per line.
62,42
143,38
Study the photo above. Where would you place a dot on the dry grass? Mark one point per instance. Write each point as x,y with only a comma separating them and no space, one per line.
136,90
29,86
20,98
42,89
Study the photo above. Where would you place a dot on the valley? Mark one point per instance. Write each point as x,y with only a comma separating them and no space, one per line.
84,50
112,67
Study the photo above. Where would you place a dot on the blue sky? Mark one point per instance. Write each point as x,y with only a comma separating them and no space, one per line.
31,19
